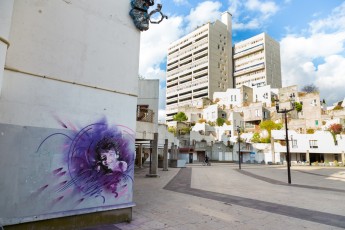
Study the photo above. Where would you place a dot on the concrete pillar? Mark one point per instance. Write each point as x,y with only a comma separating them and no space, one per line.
165,156
154,157
140,156
308,157
6,10
172,151
273,151
343,157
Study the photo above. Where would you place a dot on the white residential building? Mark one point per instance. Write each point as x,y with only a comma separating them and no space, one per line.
229,98
320,146
257,62
198,65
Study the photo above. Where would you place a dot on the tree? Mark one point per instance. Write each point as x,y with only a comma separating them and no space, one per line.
220,121
269,126
172,130
310,89
180,116
336,128
298,107
256,138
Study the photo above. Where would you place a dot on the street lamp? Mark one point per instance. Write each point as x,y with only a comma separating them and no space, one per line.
239,146
285,111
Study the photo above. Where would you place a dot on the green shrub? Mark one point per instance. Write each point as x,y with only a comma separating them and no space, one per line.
336,163
310,131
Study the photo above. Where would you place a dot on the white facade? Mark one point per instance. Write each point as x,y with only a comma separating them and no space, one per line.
199,64
264,94
147,109
319,146
68,80
257,62
229,98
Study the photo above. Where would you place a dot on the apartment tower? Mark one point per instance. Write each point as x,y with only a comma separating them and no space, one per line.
257,62
198,65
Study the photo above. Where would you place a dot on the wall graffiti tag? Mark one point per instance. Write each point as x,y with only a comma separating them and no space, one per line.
98,162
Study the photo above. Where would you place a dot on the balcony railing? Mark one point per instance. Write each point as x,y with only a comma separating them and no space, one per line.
145,115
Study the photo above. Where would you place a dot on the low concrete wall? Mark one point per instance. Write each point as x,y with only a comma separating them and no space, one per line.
78,222
177,163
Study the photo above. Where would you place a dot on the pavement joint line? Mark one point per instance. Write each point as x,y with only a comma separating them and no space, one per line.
316,174
181,183
276,182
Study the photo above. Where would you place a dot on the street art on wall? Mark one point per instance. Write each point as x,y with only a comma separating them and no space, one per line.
98,162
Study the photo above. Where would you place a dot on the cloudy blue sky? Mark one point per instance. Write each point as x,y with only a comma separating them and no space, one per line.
311,34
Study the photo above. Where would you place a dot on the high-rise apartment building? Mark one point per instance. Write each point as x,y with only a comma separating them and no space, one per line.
198,65
257,62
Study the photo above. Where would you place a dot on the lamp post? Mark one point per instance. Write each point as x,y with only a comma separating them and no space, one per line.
285,111
239,146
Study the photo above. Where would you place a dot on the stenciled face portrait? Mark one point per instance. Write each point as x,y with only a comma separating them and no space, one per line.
110,160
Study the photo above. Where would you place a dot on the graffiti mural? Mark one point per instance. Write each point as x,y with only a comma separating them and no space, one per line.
98,162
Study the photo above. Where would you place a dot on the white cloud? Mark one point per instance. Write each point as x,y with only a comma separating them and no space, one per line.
234,7
251,14
155,41
252,24
181,2
267,8
335,22
330,77
207,11
318,57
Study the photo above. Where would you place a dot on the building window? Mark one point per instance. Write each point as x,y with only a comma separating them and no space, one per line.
316,122
294,143
313,144
313,102
257,113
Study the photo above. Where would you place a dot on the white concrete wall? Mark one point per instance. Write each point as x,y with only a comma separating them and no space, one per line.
70,81
324,140
262,94
148,94
232,97
211,113
6,9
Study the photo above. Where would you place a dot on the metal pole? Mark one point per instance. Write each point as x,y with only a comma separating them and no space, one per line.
287,148
239,150
151,146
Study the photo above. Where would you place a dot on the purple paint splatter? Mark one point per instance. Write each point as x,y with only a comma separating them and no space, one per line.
99,160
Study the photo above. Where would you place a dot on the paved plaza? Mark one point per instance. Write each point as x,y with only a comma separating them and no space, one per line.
223,197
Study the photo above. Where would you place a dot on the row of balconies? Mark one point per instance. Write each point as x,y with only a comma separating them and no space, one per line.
249,69
255,58
175,89
248,51
178,71
177,99
192,50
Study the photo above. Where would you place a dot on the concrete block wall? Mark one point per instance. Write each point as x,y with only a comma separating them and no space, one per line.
69,82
